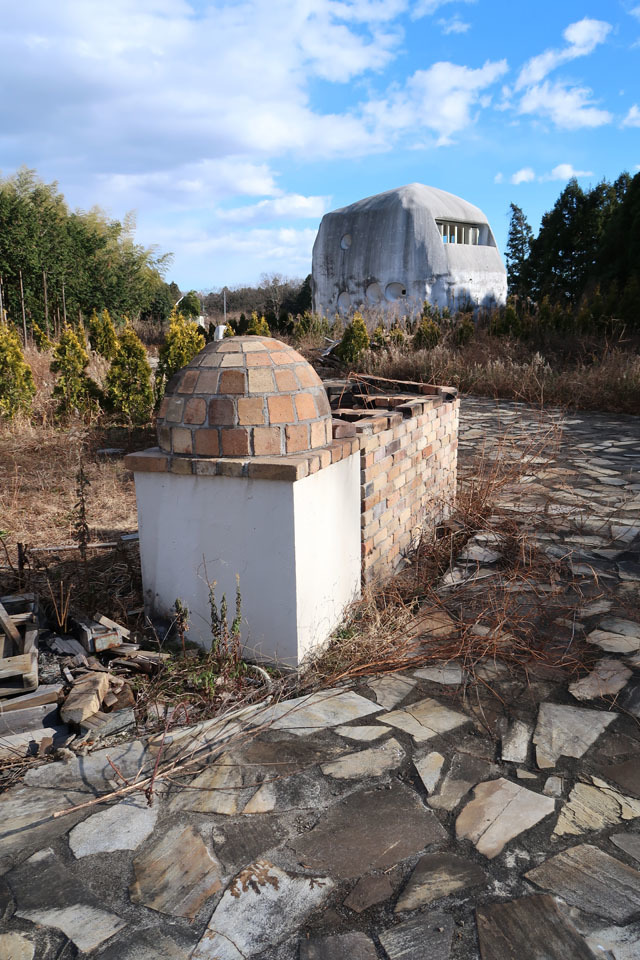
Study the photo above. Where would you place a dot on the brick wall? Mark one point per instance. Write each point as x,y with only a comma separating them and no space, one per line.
408,461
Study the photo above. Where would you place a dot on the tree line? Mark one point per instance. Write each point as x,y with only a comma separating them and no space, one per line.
57,264
585,259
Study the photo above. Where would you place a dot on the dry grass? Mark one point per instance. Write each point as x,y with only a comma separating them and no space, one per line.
415,619
497,367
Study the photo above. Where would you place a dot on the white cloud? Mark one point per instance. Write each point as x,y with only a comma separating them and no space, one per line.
290,206
454,25
582,38
425,8
440,100
565,171
635,12
632,119
526,175
568,107
499,178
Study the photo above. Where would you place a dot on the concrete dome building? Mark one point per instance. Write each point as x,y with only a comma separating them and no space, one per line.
397,249
245,397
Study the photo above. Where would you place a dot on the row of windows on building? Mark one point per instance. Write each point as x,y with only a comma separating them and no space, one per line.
452,232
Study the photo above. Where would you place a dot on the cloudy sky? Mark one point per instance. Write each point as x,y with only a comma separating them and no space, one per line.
230,128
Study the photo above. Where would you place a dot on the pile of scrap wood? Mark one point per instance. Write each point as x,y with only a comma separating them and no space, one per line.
87,694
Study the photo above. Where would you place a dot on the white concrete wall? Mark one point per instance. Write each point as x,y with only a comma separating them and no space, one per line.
296,548
327,546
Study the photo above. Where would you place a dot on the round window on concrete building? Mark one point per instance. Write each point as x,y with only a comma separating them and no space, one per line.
345,243
393,291
344,302
374,293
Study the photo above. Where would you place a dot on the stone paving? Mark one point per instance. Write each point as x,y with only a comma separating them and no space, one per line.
412,816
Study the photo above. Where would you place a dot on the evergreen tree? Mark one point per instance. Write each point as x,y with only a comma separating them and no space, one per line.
183,341
258,326
74,390
17,388
355,340
518,250
128,383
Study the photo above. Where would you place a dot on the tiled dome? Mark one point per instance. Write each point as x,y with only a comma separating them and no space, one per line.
245,396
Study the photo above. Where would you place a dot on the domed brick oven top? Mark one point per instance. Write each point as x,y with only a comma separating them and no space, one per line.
245,396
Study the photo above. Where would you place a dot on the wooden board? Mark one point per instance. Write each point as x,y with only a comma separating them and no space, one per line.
9,626
46,693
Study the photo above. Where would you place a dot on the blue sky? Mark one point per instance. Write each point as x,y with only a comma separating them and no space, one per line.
230,128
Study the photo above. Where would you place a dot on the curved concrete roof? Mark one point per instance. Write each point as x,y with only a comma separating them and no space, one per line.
440,204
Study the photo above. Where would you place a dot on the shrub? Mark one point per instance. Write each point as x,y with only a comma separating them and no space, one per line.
355,340
184,340
378,338
40,338
396,334
465,330
310,325
74,390
258,326
102,335
17,388
128,383
427,335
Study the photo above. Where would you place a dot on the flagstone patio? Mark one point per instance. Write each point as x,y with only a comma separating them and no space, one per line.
406,817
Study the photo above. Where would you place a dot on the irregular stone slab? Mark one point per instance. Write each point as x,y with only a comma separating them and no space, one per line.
628,628
438,875
427,937
391,689
500,811
625,775
26,824
177,874
284,757
629,842
478,554
566,732
146,945
429,769
343,946
448,674
361,732
620,943
628,570
94,773
464,773
629,700
317,711
366,763
591,880
369,890
425,719
614,642
45,882
123,826
433,623
515,745
594,808
306,791
553,787
86,926
218,789
529,927
347,841
260,908
243,841
15,947
607,678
